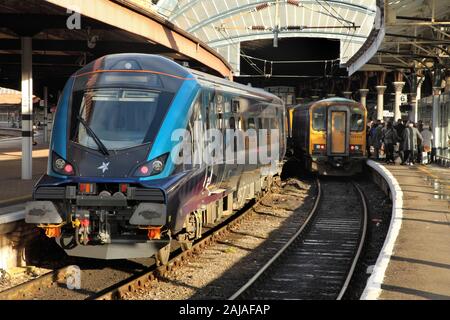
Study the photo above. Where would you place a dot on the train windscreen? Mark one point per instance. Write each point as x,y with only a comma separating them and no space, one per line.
120,118
357,119
319,118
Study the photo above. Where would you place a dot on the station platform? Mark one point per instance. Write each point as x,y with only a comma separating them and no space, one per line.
12,188
15,235
415,260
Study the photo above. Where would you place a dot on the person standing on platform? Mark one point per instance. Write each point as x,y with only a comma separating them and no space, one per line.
428,140
400,128
375,137
411,136
419,150
390,138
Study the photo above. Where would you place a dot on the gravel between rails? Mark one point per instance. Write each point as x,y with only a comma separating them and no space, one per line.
218,270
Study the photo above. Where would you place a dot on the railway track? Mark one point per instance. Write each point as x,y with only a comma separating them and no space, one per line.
319,260
304,263
48,285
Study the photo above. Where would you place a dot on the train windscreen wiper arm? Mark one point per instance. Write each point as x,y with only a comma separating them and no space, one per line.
96,139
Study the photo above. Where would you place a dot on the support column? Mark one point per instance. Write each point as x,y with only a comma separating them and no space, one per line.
398,91
27,108
447,84
417,99
363,93
347,94
45,115
436,106
380,101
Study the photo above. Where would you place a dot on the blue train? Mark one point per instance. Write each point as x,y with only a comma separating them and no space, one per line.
113,189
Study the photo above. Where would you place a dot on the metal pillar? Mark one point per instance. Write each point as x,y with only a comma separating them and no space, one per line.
27,108
436,106
363,93
398,91
347,94
45,114
417,97
380,101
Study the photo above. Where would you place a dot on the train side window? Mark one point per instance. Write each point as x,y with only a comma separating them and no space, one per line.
242,124
232,123
219,121
251,123
357,120
235,106
319,118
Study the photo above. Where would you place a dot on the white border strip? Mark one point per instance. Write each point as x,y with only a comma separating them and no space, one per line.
373,287
12,216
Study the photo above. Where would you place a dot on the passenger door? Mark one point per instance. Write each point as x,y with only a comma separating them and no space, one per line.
338,131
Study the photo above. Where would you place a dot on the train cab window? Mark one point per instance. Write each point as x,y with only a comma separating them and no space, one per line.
120,118
357,120
319,118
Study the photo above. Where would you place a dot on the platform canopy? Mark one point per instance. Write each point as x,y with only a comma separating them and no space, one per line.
224,24
417,36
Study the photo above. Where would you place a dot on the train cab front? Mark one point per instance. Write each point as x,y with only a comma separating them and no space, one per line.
99,198
100,220
338,138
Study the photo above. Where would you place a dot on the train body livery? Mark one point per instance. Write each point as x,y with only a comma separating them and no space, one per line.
112,189
329,136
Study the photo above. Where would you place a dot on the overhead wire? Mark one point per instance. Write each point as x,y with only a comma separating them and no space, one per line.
249,59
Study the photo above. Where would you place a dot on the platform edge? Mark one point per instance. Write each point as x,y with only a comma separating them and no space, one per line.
372,290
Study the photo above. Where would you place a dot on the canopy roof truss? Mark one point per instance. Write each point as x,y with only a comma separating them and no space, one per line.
224,24
417,36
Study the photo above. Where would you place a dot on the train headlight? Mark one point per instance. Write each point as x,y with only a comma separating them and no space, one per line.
157,166
151,168
62,166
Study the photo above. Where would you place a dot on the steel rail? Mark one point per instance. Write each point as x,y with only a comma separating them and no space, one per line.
47,280
307,223
143,279
361,243
283,249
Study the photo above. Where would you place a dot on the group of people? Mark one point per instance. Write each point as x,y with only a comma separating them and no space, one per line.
411,140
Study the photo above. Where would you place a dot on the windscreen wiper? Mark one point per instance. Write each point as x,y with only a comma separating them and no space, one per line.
99,143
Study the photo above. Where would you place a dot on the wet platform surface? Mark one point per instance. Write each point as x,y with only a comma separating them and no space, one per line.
420,265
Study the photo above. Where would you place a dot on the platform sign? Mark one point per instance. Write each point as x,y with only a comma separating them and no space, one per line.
403,98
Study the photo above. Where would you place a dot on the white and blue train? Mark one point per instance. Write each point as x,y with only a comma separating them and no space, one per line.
112,189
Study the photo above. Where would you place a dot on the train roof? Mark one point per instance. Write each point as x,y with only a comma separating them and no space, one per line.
328,101
233,86
135,62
